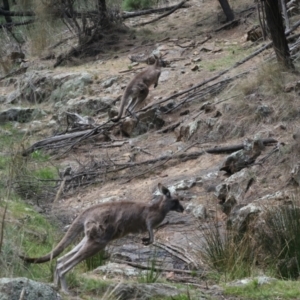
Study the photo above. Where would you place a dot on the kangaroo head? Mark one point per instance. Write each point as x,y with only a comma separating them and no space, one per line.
173,203
159,61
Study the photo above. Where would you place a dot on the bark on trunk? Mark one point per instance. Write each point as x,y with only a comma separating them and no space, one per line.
227,10
276,27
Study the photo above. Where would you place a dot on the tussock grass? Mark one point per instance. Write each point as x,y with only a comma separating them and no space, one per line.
228,252
280,240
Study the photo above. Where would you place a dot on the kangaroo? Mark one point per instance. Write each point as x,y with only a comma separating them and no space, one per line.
138,88
103,223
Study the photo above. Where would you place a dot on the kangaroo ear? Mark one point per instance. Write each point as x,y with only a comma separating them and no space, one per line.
164,190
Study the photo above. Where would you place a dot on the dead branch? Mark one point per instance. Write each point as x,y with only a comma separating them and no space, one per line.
16,13
15,72
127,14
229,25
162,16
90,174
10,25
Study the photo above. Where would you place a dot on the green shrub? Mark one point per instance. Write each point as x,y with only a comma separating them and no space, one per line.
137,4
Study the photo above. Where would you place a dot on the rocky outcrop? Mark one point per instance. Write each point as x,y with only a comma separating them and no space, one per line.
23,288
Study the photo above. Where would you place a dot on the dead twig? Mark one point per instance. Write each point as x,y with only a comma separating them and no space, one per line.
162,16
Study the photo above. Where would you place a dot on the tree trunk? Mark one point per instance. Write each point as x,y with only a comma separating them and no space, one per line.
276,27
5,6
102,13
227,10
286,17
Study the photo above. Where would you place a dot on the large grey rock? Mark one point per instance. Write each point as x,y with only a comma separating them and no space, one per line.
20,114
111,270
90,105
14,288
243,158
41,86
144,291
232,190
72,88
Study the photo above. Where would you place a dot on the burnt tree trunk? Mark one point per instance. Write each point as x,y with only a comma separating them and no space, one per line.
5,6
227,10
276,27
103,13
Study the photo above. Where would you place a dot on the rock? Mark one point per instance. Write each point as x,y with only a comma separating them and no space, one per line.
72,88
164,76
196,59
185,131
109,82
232,190
128,125
195,68
149,119
91,106
129,291
113,112
241,216
41,86
243,158
292,86
111,270
263,110
199,211
259,279
208,107
14,288
19,114
295,174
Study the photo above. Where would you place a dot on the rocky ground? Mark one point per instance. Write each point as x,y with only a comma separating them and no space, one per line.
180,142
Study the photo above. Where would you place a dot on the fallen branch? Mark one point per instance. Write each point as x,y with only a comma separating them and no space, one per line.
10,25
127,14
228,25
162,16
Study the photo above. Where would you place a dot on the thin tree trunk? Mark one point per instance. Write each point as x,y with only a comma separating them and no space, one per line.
286,17
227,10
8,19
276,27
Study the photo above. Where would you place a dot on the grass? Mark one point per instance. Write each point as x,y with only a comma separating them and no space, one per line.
229,253
28,230
278,289
227,58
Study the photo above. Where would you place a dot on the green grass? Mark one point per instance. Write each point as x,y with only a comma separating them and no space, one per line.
229,56
275,290
25,231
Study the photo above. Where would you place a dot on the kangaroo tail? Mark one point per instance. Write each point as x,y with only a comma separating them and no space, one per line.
122,105
69,237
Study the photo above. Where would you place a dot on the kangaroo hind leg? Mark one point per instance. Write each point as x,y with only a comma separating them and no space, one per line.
139,99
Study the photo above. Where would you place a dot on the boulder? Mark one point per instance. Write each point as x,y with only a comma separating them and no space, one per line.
20,114
24,288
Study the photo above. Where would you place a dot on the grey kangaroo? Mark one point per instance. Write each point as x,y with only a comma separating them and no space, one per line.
138,88
103,223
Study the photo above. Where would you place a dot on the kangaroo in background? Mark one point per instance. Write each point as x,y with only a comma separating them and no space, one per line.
138,88
103,223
